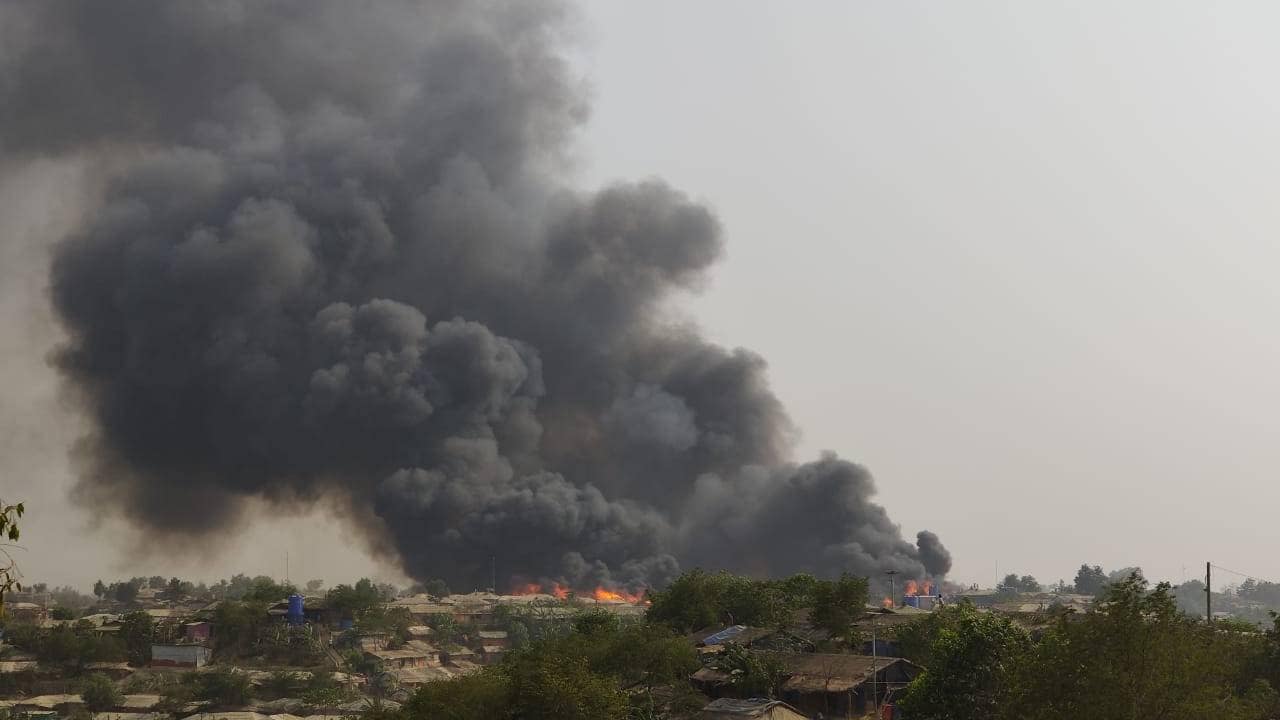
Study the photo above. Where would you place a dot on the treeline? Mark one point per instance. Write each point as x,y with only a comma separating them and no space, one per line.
69,603
1135,655
1089,580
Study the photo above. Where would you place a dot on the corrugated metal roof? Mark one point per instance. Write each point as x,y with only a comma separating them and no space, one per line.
723,636
754,707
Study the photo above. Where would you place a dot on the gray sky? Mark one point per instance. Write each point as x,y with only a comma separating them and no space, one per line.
1014,257
1017,258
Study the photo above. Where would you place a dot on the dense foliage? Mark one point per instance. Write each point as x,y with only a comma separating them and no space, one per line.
601,669
99,693
699,599
1134,656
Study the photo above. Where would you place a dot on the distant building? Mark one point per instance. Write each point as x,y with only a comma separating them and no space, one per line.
184,655
197,632
834,685
405,658
755,708
494,638
26,612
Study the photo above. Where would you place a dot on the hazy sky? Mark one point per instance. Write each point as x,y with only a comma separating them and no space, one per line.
1016,258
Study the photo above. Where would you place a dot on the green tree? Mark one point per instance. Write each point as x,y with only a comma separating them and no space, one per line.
969,674
62,612
99,693
480,696
224,687
125,592
266,590
99,589
558,686
699,599
237,627
1090,580
1136,656
354,601
838,604
9,516
750,673
137,632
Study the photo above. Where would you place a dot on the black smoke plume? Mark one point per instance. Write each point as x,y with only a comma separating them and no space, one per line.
339,255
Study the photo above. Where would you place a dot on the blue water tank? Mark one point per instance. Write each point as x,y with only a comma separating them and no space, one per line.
295,616
911,601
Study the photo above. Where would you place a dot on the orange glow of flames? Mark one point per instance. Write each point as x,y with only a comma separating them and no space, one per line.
560,591
887,602
616,596
555,589
918,588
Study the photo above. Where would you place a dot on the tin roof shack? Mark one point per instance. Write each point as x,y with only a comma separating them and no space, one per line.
62,704
197,632
113,670
980,597
26,612
180,655
755,708
412,655
17,677
494,638
834,685
884,625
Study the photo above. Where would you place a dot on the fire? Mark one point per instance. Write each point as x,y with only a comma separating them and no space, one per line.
887,602
555,589
606,595
924,587
562,592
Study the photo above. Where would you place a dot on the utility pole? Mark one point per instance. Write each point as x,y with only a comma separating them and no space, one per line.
875,685
1208,595
493,566
893,601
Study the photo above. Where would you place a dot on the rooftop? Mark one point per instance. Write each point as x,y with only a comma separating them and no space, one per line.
752,708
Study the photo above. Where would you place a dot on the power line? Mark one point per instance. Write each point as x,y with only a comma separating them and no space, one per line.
1254,578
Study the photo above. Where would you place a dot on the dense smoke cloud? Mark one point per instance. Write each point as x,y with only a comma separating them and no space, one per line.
338,256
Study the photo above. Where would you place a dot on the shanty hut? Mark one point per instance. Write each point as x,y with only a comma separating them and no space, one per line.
834,685
754,708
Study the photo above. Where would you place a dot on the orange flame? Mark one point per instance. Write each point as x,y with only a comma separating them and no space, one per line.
887,602
926,588
562,592
555,589
911,588
616,596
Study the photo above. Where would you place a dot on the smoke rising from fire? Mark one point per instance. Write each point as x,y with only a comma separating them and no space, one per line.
339,257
